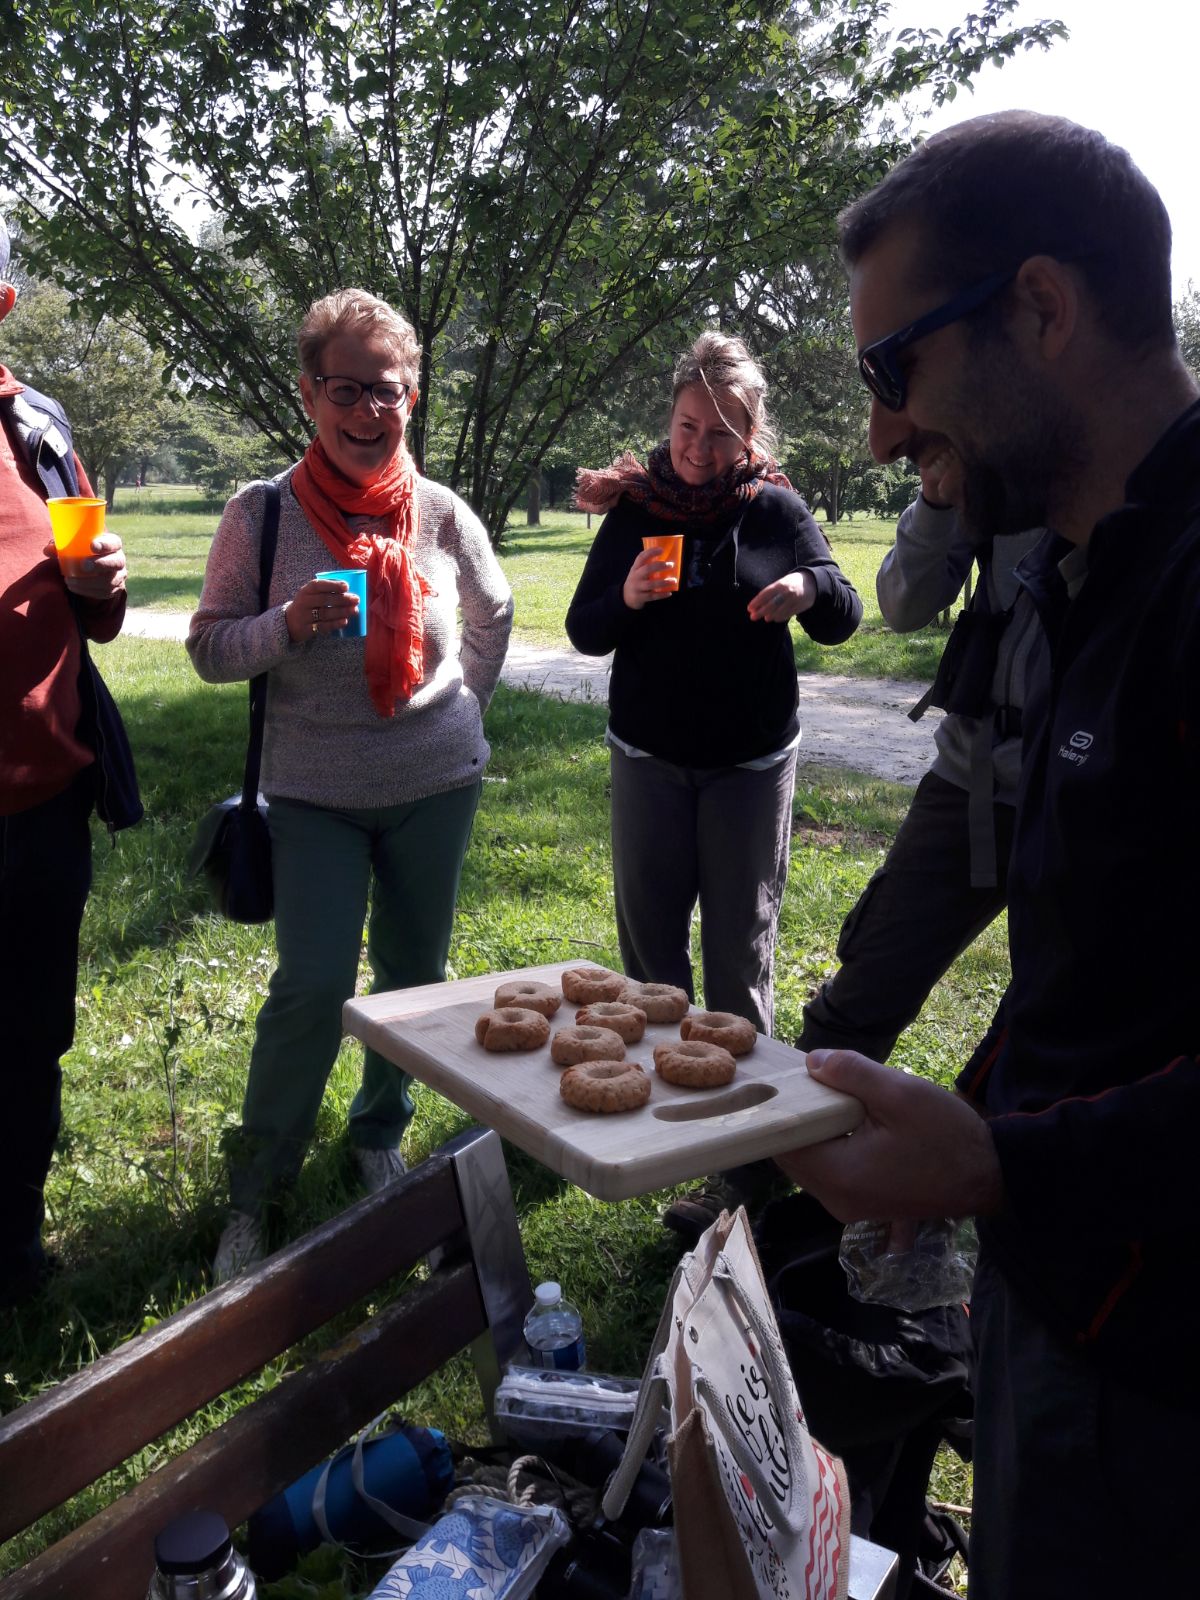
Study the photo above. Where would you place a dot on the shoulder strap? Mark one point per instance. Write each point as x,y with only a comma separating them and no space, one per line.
258,685
44,437
979,605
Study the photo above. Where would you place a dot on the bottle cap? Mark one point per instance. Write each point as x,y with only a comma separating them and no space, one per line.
192,1542
548,1294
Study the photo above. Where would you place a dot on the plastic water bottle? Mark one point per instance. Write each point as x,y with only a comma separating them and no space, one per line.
554,1330
196,1561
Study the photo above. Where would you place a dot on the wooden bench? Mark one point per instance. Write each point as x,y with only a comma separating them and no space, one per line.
457,1205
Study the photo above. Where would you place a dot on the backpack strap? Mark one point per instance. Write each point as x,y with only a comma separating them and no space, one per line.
43,434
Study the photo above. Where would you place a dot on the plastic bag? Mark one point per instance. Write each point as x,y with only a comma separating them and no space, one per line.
538,1403
656,1566
911,1266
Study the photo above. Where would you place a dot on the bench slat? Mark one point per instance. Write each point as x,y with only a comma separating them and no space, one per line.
267,1445
68,1437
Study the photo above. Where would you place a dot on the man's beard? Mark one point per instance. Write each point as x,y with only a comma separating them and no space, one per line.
995,503
1032,451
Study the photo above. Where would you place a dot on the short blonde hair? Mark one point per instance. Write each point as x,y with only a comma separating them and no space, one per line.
356,313
721,362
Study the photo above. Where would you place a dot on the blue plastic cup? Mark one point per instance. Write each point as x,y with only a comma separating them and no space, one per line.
356,577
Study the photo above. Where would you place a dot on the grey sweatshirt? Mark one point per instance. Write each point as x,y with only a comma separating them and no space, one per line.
324,742
924,572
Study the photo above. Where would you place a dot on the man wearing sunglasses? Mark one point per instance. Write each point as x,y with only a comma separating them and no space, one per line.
1011,296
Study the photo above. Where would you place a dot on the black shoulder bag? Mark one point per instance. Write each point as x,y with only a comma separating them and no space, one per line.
118,803
232,846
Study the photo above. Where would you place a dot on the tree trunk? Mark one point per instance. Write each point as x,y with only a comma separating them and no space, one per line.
109,473
533,506
835,494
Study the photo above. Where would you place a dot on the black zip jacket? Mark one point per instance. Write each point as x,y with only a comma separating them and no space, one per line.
694,681
1091,1073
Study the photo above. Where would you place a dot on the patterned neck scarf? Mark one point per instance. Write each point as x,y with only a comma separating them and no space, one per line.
659,489
394,658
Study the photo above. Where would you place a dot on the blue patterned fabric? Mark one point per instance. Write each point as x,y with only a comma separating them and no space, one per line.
484,1549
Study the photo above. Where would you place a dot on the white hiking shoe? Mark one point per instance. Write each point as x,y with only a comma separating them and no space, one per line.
241,1246
378,1168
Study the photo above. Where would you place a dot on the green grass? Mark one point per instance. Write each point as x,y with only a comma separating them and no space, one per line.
166,530
543,565
169,992
167,533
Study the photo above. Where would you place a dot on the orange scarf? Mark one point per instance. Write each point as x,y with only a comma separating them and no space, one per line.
394,659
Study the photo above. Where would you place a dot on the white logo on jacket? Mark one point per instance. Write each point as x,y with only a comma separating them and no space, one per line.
1074,750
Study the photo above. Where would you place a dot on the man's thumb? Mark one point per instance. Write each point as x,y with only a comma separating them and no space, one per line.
845,1070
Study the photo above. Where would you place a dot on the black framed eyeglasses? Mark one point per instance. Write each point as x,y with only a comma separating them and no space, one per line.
878,364
347,392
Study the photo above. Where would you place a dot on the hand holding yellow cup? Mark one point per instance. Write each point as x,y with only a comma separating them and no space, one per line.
75,520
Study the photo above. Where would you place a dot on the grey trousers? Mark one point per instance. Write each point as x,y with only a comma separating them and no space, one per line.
716,836
915,916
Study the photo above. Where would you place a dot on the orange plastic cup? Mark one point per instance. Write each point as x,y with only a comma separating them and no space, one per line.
75,521
670,548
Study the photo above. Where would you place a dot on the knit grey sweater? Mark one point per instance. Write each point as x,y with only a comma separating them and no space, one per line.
324,742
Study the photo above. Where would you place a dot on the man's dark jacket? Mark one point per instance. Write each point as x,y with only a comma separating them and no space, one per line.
1091,1073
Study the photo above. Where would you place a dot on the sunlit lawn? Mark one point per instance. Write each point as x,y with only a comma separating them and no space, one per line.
167,532
168,994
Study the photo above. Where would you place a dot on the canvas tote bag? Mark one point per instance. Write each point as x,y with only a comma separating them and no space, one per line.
762,1512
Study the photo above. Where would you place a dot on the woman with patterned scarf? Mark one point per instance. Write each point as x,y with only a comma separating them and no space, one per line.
374,750
703,731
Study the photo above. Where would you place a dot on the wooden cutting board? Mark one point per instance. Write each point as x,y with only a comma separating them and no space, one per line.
771,1105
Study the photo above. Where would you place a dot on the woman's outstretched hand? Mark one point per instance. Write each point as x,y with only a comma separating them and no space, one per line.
784,599
323,605
646,580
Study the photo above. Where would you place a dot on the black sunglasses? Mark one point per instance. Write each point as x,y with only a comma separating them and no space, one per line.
878,364
346,392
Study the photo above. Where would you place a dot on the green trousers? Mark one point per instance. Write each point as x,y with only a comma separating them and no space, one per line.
324,862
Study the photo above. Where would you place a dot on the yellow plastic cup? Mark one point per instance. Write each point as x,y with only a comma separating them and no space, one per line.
75,521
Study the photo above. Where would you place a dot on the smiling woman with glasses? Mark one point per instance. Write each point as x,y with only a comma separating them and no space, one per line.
374,749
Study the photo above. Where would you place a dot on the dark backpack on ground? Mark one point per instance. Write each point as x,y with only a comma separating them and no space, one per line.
881,1388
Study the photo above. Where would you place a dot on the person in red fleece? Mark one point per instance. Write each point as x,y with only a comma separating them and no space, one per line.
47,789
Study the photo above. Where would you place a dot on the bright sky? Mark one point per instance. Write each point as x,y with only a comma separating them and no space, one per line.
1128,69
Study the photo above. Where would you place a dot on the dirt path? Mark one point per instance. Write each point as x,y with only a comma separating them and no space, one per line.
845,722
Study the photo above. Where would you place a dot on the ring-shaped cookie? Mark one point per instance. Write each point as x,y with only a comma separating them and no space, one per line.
526,992
583,985
512,1028
692,1064
662,1002
605,1086
629,1021
570,1046
732,1033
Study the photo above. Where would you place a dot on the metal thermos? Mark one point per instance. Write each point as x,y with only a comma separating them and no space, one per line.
197,1561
